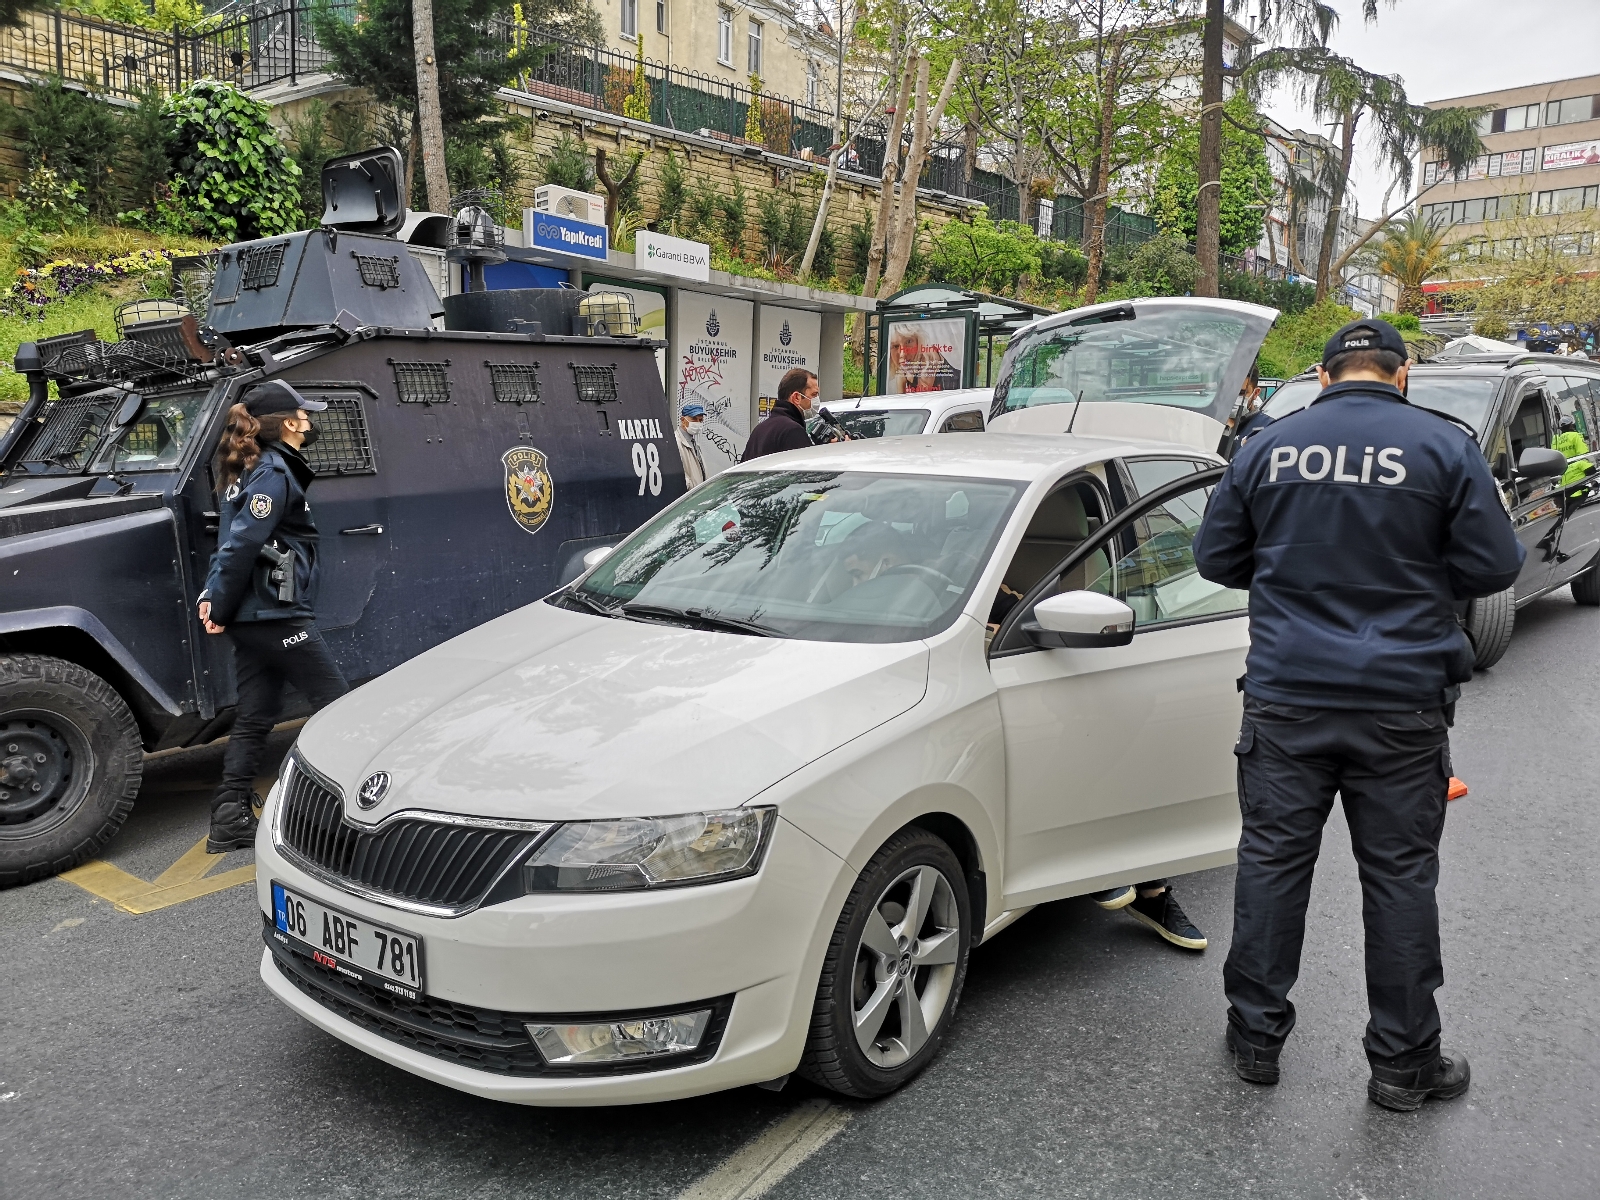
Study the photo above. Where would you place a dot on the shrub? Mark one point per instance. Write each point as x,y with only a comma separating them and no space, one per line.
1488,326
1064,264
983,254
734,213
569,164
1405,322
671,192
50,202
229,166
860,251
308,139
1165,265
1281,294
1297,339
74,135
825,261
148,157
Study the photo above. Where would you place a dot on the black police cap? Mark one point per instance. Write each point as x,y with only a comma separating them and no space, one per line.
1366,334
276,396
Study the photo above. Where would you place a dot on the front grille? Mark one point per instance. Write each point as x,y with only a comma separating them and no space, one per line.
484,1039
428,862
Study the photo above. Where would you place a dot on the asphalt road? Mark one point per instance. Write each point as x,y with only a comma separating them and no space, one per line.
142,1057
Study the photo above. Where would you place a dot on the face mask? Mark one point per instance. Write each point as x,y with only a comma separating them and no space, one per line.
693,429
311,437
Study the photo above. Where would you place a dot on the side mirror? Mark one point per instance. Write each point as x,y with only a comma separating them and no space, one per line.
599,554
1537,462
132,408
1080,620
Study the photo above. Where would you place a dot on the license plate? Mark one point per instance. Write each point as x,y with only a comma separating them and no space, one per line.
352,946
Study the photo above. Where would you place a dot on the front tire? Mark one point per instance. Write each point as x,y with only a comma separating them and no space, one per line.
1490,620
894,970
70,766
1586,587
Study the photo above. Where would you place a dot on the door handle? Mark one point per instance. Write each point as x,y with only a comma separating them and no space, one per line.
211,521
373,530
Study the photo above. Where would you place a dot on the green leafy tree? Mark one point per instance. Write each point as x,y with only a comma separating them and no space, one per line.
377,52
984,254
229,168
1246,179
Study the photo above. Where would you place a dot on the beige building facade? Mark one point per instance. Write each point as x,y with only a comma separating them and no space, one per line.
728,41
1541,160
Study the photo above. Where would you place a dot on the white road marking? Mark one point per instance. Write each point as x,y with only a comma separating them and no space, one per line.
759,1165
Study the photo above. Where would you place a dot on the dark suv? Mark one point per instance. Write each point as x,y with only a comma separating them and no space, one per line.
1513,402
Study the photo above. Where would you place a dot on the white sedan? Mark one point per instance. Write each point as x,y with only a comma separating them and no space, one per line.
740,801
963,411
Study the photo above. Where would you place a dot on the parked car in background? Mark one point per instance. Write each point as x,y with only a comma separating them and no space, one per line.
964,411
1513,402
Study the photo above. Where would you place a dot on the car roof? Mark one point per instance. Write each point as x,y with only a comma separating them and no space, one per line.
1013,456
981,396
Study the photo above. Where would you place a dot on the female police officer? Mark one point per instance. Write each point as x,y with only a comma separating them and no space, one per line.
262,588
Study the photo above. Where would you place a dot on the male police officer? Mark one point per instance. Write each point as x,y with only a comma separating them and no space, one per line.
1354,523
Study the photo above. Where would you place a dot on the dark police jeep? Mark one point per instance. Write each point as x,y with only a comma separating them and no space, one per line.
1513,403
463,472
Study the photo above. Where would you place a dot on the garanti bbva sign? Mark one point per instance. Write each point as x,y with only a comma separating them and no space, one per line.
672,256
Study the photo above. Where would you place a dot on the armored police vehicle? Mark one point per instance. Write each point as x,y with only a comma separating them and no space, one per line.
463,472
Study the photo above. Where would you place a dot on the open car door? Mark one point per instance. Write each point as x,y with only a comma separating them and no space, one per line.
1167,369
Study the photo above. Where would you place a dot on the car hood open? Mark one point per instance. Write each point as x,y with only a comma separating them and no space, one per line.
546,714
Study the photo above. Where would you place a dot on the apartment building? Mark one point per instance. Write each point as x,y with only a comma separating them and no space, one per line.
1298,216
1542,159
787,45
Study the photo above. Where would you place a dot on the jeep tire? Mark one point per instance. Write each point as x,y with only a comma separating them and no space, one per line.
1490,620
70,766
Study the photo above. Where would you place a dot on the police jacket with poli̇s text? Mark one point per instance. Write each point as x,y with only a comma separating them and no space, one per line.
784,428
1355,523
266,504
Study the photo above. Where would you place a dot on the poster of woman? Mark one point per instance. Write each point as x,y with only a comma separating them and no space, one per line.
925,356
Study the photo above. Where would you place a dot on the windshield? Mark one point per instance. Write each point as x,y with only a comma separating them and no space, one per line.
837,556
76,434
1467,398
1180,356
860,424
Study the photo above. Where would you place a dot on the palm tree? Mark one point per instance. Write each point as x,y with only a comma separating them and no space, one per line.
1412,252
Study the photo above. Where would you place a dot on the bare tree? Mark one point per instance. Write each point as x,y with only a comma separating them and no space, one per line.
430,117
924,127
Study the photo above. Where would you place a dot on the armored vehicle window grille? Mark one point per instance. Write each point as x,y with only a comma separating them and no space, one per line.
261,266
514,384
342,446
72,430
422,382
377,270
595,384
428,862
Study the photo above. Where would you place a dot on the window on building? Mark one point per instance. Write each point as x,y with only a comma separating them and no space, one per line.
1523,116
661,16
725,37
1565,112
1565,200
630,18
1047,218
811,83
755,48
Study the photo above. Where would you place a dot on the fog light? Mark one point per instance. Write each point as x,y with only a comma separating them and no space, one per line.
620,1041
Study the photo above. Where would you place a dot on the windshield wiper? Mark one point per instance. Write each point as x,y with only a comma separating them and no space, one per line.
588,603
699,618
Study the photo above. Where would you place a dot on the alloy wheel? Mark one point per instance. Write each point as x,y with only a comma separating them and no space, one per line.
905,966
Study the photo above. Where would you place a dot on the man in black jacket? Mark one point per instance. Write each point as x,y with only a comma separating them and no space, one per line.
1355,524
785,426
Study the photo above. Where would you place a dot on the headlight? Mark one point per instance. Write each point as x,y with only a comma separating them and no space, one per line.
650,852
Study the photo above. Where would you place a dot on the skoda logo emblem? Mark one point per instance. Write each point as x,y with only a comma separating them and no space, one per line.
784,335
713,326
373,789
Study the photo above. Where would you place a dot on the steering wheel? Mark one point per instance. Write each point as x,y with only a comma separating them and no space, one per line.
928,575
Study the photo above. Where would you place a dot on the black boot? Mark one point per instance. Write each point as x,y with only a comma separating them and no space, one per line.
1445,1078
233,823
1251,1063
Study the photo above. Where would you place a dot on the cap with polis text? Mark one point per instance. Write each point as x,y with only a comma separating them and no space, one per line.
1366,334
276,396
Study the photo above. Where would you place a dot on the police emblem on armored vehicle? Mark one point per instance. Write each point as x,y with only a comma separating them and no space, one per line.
529,488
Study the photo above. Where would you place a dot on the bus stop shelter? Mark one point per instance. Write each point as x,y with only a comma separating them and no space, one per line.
938,337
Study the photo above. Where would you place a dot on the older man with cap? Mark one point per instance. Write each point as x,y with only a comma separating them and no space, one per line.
262,588
1356,524
691,420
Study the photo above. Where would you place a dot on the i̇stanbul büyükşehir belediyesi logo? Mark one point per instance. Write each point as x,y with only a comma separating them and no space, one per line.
784,336
713,326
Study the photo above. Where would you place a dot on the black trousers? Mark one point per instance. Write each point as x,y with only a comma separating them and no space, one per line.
267,655
1392,770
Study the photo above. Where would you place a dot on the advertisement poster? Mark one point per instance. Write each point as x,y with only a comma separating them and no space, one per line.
651,305
789,338
926,356
714,340
1573,154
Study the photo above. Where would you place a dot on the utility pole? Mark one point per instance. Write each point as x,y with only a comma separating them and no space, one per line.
1208,221
430,117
